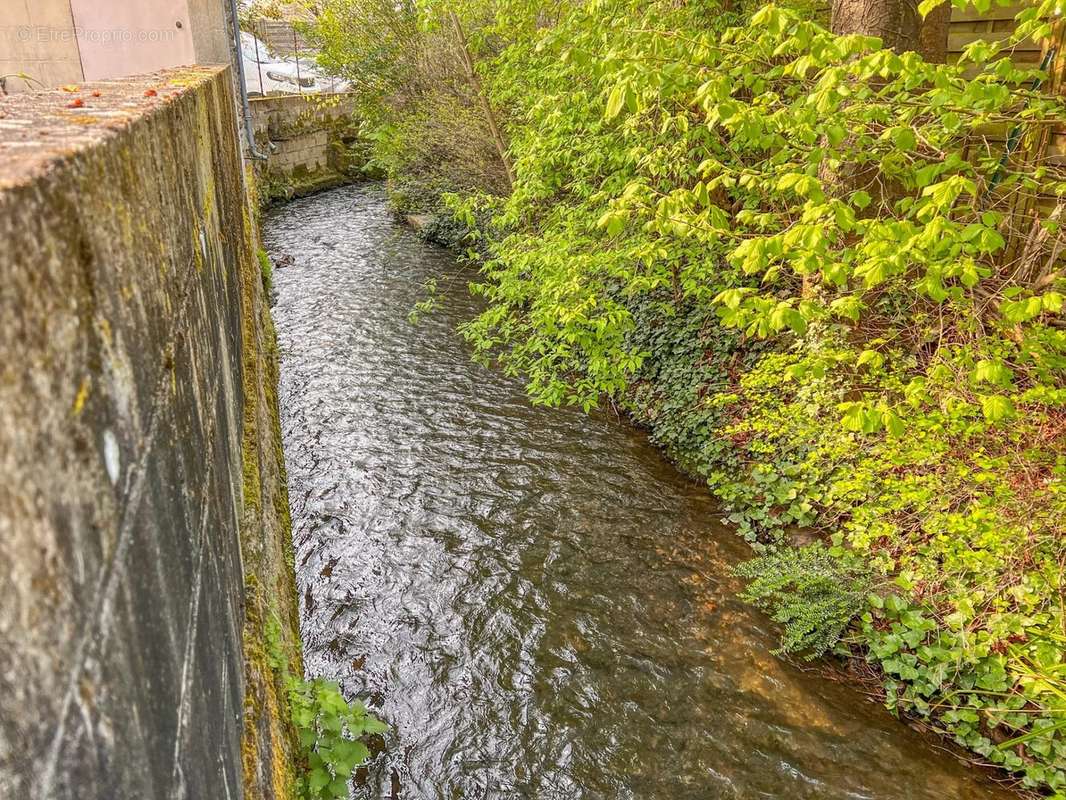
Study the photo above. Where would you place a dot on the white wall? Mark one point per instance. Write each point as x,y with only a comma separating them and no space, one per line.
66,41
37,38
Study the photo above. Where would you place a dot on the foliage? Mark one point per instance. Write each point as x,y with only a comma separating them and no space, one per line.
431,135
724,181
965,545
996,690
812,594
809,266
426,305
266,271
790,254
329,727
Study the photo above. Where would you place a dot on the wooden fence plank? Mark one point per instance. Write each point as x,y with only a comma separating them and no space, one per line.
971,14
957,41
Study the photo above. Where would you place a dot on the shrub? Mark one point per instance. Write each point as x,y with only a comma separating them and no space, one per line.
812,594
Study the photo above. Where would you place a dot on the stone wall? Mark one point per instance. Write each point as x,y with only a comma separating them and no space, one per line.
144,538
311,142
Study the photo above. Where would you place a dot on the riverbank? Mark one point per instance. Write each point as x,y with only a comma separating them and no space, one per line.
898,554
792,256
925,514
534,599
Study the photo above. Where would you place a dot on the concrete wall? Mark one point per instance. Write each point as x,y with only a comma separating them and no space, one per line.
212,36
38,39
143,517
59,42
311,141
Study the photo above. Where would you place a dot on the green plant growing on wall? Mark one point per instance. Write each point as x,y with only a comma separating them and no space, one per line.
29,79
329,727
266,271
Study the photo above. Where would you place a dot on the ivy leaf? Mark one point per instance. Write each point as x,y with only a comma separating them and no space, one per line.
895,603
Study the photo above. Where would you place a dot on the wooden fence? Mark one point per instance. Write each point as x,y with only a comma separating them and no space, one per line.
280,36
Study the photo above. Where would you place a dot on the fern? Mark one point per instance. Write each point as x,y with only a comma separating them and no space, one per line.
812,594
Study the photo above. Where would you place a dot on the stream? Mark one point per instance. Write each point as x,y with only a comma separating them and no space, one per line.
534,599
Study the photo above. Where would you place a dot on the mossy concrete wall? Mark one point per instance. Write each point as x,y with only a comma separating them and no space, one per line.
144,536
311,142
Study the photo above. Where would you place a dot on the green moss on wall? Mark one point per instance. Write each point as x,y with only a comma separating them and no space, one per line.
269,748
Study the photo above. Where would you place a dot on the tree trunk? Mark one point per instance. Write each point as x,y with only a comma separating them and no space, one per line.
475,84
1034,266
934,37
898,25
895,22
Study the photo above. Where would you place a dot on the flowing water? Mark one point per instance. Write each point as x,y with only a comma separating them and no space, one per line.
536,602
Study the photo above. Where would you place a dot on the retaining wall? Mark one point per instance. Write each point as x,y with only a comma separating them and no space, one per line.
143,514
311,142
